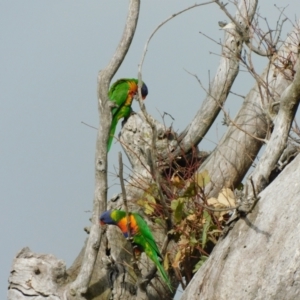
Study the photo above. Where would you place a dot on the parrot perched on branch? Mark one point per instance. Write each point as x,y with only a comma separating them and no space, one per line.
122,93
140,234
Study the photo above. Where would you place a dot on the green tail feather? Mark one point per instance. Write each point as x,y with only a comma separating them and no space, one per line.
112,130
163,274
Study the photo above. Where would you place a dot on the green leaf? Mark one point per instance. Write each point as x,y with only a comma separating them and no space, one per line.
200,263
193,240
159,221
240,187
177,207
145,203
191,190
202,178
148,200
174,204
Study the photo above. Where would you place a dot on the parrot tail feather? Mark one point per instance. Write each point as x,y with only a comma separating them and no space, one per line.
113,127
164,276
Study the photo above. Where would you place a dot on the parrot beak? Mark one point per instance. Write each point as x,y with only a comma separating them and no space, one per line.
102,223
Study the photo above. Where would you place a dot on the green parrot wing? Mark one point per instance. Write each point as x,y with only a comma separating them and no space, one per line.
145,239
145,231
118,93
116,87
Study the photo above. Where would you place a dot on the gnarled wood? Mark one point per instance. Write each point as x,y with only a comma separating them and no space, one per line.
36,276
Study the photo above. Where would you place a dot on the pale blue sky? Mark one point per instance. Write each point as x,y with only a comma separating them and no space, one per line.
51,52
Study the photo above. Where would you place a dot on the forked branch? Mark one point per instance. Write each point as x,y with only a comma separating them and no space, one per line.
80,285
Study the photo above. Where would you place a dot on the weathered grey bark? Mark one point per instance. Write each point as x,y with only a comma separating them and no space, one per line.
225,76
236,151
85,265
81,283
110,274
289,102
259,258
36,276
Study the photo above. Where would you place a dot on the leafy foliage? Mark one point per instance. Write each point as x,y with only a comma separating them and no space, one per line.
197,222
148,201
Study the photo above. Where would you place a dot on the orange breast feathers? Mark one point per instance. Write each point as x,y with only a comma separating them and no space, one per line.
122,224
133,88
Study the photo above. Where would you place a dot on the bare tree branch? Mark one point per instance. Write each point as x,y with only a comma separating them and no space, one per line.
163,23
288,106
80,285
222,83
237,150
107,273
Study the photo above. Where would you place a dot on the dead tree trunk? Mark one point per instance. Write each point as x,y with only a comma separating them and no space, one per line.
259,258
103,269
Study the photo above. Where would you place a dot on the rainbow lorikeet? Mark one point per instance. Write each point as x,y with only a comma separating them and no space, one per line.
122,93
141,236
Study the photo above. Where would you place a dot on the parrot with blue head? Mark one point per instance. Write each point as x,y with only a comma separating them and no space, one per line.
141,236
122,92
